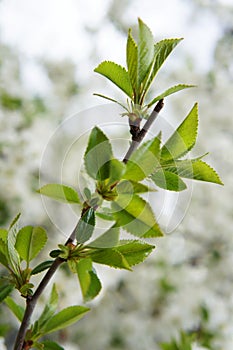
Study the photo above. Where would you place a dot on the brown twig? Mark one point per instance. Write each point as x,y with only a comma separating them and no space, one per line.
138,137
31,303
32,300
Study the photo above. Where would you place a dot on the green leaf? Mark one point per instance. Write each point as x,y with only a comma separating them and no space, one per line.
85,226
38,346
49,309
34,333
132,61
110,257
127,187
5,290
63,253
56,252
135,251
110,99
108,239
117,170
143,161
26,289
3,247
145,51
87,193
195,169
42,266
60,193
168,92
135,215
117,74
51,345
12,254
97,155
124,255
89,282
162,50
171,346
15,221
4,329
3,234
30,240
65,318
3,258
17,310
183,139
105,214
168,181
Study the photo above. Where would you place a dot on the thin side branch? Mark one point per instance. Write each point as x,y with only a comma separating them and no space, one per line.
31,303
142,133
151,120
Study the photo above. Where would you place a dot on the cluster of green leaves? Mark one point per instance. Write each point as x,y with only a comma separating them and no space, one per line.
172,165
117,198
49,321
17,248
106,249
144,59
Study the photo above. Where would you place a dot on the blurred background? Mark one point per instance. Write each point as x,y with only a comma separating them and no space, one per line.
48,51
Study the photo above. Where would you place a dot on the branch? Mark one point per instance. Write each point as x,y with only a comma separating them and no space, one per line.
32,300
31,303
142,133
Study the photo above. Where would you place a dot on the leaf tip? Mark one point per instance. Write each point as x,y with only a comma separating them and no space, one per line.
140,20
